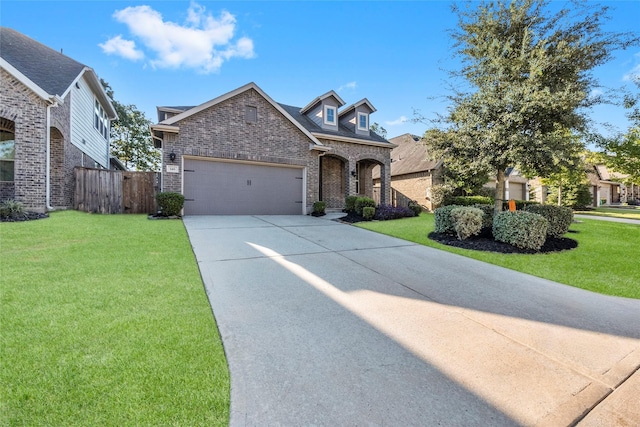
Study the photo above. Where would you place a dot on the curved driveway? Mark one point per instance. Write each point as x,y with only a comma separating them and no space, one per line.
327,324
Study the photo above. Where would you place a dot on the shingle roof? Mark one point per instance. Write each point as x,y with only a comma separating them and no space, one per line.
50,70
410,156
343,130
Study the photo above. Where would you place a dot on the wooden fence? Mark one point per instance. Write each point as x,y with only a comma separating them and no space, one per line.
111,192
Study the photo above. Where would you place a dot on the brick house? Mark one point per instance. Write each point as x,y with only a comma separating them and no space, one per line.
413,172
54,115
244,153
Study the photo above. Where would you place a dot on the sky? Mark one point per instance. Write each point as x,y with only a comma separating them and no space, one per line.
397,54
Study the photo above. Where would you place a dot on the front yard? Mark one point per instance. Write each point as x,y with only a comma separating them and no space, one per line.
629,212
605,260
104,321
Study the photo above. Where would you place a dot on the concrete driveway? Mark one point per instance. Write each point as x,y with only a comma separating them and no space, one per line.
327,324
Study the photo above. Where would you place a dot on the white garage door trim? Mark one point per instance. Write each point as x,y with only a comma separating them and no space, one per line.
241,202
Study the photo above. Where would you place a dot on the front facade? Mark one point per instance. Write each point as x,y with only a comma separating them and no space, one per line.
243,153
50,122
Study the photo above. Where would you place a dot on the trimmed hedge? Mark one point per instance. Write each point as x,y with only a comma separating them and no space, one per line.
487,215
362,202
387,212
468,200
170,203
443,221
319,207
350,203
467,221
520,204
415,207
522,229
559,217
368,212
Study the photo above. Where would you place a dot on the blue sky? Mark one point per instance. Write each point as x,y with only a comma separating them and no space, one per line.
186,53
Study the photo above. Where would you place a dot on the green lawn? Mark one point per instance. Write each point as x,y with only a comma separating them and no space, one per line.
605,260
628,213
104,321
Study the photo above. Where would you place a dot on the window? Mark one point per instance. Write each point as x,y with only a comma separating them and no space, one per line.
329,115
251,114
7,155
363,121
100,120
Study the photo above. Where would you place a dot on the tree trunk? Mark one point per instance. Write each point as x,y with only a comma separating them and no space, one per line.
500,180
560,194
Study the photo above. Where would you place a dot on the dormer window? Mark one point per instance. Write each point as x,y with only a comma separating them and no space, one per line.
329,115
363,121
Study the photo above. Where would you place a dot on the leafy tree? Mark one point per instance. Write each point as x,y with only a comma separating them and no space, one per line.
528,79
131,140
375,127
568,185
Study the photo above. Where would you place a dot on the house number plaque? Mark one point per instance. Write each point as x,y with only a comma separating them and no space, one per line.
173,169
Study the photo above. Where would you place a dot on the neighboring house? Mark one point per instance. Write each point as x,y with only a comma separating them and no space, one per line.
54,115
606,188
413,173
244,153
516,186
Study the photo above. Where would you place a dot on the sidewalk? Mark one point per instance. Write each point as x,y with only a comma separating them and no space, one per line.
608,218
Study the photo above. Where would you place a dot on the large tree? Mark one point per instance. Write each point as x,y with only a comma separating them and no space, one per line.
527,77
131,140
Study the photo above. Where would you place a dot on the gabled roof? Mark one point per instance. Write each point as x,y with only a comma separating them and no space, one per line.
352,107
320,98
189,112
47,72
343,132
410,156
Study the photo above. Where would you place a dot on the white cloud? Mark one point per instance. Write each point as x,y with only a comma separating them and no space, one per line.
121,47
203,42
350,85
400,121
632,75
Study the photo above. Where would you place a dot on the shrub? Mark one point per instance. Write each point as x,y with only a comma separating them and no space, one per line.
468,200
439,193
10,209
318,208
522,229
350,203
520,204
362,202
559,217
415,207
170,203
443,220
368,212
486,192
467,221
387,212
487,215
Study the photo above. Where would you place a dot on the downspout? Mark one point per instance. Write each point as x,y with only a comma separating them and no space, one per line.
54,101
153,136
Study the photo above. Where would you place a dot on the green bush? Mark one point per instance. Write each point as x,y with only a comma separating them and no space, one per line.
559,217
415,207
10,209
486,192
467,221
362,202
443,221
468,200
439,193
520,204
574,196
487,215
368,212
170,204
350,203
522,229
319,207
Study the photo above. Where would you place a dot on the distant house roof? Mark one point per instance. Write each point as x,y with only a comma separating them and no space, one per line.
410,156
50,70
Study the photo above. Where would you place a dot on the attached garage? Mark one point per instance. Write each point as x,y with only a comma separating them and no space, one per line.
221,187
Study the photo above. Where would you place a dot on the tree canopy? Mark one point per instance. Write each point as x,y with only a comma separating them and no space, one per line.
131,140
527,74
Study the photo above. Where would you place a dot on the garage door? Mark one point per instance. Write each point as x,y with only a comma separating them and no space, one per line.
233,188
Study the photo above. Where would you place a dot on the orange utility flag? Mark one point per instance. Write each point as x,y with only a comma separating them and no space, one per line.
512,205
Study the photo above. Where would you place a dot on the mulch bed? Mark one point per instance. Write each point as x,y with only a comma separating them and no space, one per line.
27,216
488,244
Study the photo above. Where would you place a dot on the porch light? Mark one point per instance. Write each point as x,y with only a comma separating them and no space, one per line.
353,173
172,156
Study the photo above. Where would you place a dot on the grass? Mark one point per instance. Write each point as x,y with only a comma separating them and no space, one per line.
104,321
628,213
604,261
